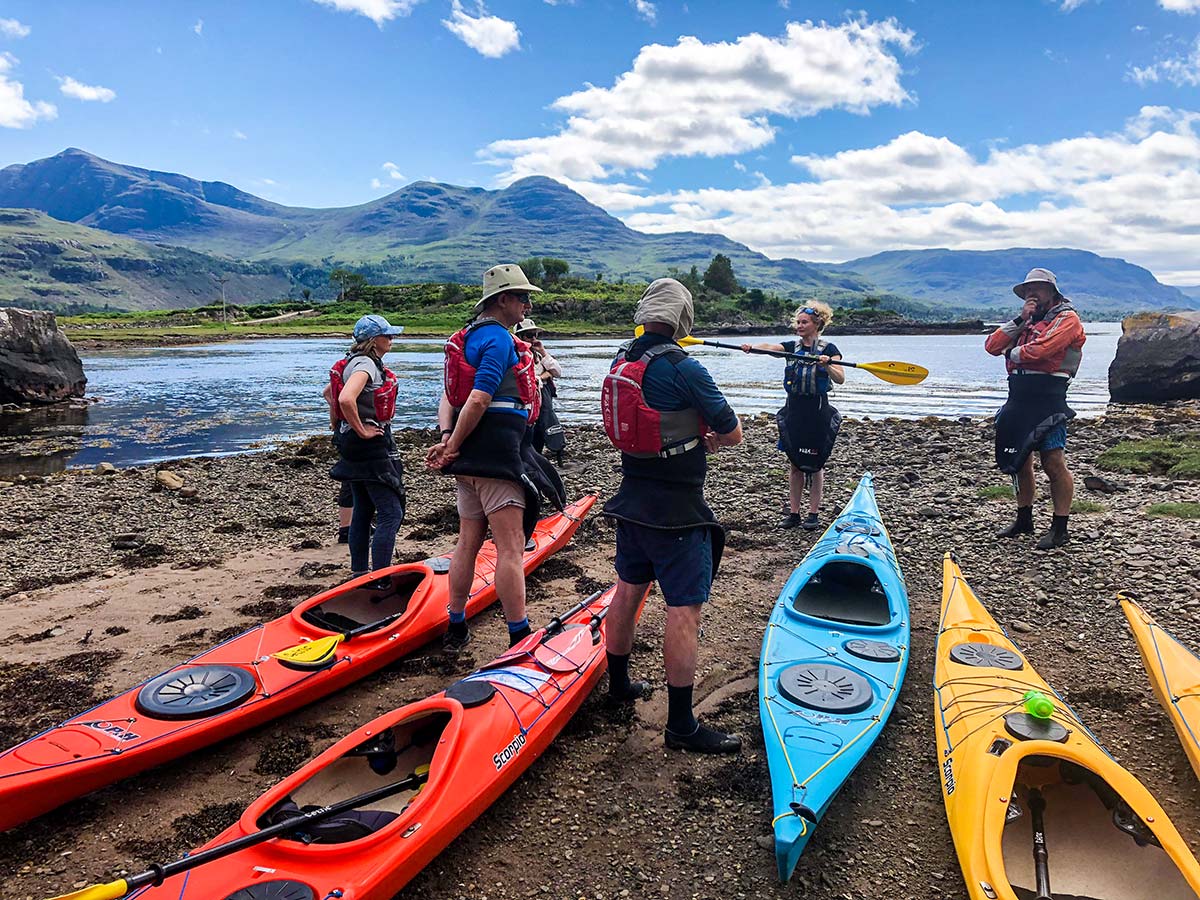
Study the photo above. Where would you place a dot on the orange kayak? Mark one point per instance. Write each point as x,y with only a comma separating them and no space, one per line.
1036,806
1174,672
449,758
241,683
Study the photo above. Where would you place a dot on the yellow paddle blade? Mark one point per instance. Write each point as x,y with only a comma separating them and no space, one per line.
114,890
311,653
641,329
896,372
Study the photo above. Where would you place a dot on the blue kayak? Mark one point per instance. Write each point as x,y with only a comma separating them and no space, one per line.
833,657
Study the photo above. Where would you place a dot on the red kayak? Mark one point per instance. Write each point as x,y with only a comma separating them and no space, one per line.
364,817
324,644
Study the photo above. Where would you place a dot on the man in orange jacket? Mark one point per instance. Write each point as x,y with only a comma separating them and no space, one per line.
1042,348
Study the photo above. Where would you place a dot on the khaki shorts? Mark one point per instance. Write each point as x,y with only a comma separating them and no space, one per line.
478,497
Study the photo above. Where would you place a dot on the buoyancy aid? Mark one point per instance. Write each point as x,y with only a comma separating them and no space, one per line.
632,425
384,396
801,378
520,381
1050,345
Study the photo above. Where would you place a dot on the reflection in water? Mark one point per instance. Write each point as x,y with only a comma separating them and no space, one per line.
43,440
165,403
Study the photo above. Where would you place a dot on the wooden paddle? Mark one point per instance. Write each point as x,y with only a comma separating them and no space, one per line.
892,372
155,875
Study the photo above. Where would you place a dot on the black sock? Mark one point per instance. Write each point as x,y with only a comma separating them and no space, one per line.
618,674
1025,515
679,710
515,637
458,629
1059,524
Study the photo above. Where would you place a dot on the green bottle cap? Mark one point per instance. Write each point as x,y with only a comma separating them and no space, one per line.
1038,705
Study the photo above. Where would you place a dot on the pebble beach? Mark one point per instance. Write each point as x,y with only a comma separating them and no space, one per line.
109,576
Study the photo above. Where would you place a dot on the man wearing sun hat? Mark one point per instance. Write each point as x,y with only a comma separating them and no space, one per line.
1042,348
483,414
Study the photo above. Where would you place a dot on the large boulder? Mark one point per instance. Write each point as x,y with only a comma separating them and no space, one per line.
1158,358
37,362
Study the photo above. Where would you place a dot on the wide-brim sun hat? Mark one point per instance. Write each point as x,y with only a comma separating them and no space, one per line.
1035,276
525,326
373,326
504,277
667,301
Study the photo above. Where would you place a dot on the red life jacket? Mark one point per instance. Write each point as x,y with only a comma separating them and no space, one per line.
384,396
520,381
633,426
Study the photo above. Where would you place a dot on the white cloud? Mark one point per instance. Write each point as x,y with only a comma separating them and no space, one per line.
1131,194
269,182
645,9
1181,71
740,166
89,92
1071,5
378,11
13,29
1180,6
698,99
238,135
199,27
393,171
15,110
376,184
488,35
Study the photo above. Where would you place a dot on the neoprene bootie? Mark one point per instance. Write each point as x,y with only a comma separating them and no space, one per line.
1056,536
1023,524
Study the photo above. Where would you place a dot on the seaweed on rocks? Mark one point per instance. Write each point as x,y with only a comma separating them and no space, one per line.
34,696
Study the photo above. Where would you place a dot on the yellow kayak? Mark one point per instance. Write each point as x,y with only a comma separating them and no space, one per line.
1175,674
1036,807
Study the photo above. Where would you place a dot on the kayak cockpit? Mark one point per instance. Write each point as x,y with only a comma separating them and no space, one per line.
367,606
846,592
1096,846
400,755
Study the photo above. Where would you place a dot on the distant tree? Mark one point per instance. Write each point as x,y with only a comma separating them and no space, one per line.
532,268
453,293
869,302
349,283
754,300
306,293
554,269
719,276
599,277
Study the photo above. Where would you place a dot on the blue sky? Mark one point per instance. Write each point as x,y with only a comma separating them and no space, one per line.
796,127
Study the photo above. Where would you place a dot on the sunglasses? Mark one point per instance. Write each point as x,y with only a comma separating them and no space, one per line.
806,310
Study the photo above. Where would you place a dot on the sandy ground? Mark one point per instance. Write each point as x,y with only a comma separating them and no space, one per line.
607,812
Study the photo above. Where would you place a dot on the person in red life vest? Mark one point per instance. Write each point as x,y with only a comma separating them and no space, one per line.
366,401
491,394
808,423
345,496
547,433
1042,348
663,412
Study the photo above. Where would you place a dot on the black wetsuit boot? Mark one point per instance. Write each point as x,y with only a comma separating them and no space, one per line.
1023,524
685,733
1056,536
620,688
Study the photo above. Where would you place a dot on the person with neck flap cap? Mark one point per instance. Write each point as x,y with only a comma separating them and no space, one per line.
664,412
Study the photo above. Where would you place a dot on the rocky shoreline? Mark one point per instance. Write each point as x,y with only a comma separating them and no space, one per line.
109,576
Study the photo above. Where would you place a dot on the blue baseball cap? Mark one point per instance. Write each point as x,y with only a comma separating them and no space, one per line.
373,326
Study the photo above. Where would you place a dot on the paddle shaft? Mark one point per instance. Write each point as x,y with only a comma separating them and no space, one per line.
157,874
1041,859
556,624
783,354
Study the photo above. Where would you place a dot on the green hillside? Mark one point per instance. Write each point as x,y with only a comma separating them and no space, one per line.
45,263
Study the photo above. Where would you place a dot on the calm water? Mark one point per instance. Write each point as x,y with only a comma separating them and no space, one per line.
156,404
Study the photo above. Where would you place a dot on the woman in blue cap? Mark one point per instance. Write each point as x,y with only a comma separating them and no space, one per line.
364,391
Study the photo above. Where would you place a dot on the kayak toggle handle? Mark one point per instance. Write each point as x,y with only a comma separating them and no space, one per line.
803,811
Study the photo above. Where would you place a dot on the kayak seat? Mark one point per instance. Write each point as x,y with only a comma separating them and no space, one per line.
365,608
349,826
843,591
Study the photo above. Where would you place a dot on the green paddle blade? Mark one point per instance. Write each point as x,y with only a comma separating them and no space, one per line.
310,654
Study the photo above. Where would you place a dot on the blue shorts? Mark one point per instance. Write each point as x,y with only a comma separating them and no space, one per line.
1055,439
679,560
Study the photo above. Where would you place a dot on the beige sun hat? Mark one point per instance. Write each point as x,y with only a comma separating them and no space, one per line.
525,326
504,277
1035,276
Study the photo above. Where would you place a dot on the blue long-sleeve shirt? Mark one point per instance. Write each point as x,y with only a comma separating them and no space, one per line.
491,351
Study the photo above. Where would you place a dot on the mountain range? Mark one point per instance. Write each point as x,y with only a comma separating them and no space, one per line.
434,232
